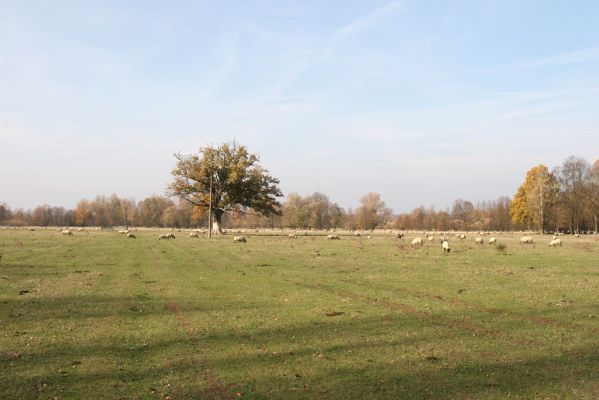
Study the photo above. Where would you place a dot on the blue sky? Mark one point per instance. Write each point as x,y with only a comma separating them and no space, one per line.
421,101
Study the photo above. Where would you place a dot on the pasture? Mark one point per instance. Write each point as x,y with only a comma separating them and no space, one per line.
97,315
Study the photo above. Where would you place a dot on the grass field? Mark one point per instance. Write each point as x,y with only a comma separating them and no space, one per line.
100,316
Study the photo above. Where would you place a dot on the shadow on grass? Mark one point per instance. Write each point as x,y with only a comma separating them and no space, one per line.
191,375
12,272
31,307
535,377
188,366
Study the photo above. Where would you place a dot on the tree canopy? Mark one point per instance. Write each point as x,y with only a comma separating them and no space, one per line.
314,211
535,197
575,179
227,177
372,211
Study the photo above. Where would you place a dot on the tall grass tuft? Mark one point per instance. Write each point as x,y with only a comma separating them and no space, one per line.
501,247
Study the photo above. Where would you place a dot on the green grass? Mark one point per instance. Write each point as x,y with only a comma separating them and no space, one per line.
97,315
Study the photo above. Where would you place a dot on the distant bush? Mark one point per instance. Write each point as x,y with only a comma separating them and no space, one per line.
501,247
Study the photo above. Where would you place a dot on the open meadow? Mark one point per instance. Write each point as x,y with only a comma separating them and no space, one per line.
98,315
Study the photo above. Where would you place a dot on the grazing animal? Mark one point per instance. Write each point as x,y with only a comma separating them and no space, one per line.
462,237
478,240
333,237
292,236
130,236
431,239
166,236
399,235
555,243
239,239
445,246
417,242
67,232
526,240
492,240
194,234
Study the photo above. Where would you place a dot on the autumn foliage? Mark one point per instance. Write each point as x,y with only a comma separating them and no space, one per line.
225,179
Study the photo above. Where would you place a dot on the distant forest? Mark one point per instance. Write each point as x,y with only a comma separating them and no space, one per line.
565,199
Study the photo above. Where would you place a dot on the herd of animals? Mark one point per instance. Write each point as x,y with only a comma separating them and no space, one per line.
555,241
417,242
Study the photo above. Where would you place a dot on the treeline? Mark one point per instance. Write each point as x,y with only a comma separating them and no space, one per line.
464,215
565,199
103,211
314,211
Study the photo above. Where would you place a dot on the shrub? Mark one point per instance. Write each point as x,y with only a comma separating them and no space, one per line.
501,247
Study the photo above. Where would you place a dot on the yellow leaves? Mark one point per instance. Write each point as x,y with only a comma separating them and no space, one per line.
199,213
534,175
518,208
534,197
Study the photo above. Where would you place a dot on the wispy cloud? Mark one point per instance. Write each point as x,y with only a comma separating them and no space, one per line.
222,73
369,19
357,25
528,95
571,57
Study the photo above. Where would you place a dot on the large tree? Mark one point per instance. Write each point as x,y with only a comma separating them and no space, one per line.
223,179
461,212
594,195
372,211
314,211
535,198
575,183
292,209
5,213
318,210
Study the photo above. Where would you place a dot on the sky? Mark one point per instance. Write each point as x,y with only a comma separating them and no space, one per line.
421,101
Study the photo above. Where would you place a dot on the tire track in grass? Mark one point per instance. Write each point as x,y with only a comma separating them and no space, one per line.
454,323
216,387
544,321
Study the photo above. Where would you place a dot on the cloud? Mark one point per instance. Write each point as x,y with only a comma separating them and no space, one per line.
222,73
367,20
571,57
360,24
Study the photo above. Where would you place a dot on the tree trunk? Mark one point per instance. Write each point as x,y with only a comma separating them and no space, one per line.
217,223
216,227
596,232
